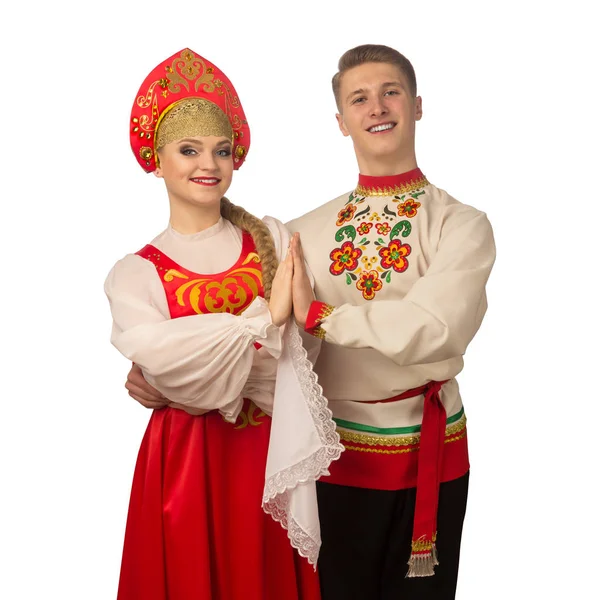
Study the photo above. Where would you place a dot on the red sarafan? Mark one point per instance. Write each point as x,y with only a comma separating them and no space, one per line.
195,527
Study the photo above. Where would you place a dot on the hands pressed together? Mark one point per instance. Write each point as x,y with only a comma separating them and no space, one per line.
291,292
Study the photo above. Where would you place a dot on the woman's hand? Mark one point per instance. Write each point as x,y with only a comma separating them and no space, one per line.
302,292
280,303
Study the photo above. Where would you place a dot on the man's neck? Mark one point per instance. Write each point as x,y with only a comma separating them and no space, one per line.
386,166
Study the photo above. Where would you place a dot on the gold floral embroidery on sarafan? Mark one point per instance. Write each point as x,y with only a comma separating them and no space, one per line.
229,293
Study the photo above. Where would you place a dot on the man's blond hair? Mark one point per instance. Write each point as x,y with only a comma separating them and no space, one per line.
376,54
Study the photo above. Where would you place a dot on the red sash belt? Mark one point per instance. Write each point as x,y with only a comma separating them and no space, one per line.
431,447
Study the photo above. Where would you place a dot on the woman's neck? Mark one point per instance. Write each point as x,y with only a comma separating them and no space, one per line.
188,219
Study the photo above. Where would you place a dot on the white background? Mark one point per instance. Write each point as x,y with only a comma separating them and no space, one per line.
510,126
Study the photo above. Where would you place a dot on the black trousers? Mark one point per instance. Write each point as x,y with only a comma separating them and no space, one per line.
366,537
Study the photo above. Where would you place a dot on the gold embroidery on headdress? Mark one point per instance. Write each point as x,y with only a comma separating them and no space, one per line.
190,67
189,118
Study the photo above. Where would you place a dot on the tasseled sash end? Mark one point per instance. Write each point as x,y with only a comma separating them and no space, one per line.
423,558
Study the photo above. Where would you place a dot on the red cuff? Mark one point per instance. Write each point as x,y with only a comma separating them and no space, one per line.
317,313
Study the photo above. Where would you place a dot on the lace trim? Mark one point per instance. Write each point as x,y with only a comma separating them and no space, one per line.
278,488
307,546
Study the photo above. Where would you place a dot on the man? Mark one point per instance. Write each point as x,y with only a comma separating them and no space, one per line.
400,269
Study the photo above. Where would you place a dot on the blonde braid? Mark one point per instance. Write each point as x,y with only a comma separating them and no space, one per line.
263,240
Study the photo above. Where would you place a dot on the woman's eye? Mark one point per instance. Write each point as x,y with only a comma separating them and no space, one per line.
188,151
224,152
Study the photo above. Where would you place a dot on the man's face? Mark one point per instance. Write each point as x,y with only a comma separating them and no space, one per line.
378,111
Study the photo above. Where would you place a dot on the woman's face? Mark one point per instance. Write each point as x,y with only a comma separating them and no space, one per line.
197,170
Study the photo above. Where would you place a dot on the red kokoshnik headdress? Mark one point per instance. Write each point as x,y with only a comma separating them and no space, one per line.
186,95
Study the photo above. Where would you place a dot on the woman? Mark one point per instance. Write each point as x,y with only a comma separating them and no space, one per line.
204,311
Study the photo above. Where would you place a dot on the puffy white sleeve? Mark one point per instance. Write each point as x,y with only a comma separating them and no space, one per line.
199,361
303,441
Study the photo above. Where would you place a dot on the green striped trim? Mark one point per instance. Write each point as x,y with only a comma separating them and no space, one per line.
393,430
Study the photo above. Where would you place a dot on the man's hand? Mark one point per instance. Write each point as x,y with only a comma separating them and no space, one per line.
139,389
302,291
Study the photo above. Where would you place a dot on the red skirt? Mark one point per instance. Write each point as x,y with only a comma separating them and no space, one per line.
195,528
